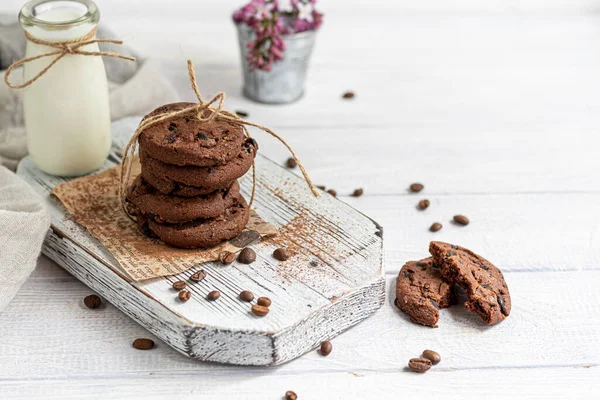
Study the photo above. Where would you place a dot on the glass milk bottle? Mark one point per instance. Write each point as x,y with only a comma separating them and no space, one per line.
67,113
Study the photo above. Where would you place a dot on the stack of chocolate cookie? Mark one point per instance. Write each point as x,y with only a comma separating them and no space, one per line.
187,194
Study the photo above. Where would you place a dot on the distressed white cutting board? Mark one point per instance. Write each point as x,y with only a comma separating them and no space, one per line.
335,280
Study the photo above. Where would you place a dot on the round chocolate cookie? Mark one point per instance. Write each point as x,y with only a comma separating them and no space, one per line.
215,176
162,208
167,186
185,141
201,232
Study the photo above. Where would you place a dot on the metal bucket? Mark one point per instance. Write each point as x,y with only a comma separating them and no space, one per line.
285,82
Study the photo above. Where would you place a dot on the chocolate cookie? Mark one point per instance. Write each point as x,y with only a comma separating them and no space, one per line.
215,176
201,232
421,292
487,293
161,208
167,186
186,141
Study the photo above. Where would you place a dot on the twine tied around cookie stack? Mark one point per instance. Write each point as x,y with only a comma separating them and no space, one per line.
63,48
214,113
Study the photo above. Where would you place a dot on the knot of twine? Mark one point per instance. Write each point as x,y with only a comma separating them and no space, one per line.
205,112
67,47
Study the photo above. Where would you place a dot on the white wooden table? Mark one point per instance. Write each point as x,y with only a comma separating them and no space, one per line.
494,106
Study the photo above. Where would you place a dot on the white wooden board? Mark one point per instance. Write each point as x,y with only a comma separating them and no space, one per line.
334,280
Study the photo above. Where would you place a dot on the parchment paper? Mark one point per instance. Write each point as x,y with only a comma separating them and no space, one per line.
93,202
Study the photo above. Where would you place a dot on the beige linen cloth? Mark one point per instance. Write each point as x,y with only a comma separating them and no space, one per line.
135,89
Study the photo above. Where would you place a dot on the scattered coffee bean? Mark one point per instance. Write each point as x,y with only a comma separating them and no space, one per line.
321,187
358,192
289,395
184,295
281,254
291,162
259,310
247,256
432,356
419,364
416,187
227,257
198,276
92,301
332,192
179,285
423,204
436,226
143,344
264,301
348,95
212,296
326,348
246,296
242,114
461,219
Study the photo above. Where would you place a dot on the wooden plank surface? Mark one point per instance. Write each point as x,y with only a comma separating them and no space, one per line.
492,105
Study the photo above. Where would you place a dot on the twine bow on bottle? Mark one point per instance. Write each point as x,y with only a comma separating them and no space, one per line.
200,110
63,48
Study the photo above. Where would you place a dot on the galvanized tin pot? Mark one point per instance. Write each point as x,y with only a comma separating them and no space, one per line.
285,82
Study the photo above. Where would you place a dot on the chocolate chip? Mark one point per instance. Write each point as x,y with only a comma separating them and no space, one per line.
198,276
242,114
246,296
92,301
172,127
179,285
291,162
212,296
289,395
358,192
484,267
281,254
326,348
426,287
432,356
416,187
202,136
450,253
419,364
423,204
264,301
502,305
171,138
461,219
259,310
226,257
143,344
348,95
184,295
421,264
436,226
332,192
247,256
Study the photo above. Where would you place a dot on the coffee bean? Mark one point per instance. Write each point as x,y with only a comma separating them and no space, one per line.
212,296
259,310
419,364
179,285
332,192
242,114
291,162
432,356
264,301
247,256
281,254
436,226
461,219
143,344
184,295
198,276
321,187
358,192
289,395
423,204
92,301
246,296
416,187
348,95
326,348
227,257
